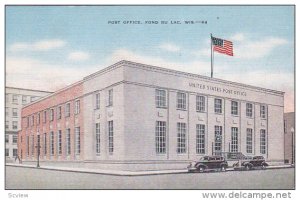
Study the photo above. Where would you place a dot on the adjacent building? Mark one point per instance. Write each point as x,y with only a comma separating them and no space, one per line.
15,99
136,116
289,137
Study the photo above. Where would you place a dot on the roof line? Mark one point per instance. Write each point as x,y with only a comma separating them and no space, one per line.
28,89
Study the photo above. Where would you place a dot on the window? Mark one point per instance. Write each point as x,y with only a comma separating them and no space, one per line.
45,143
284,126
24,99
249,140
200,103
68,141
263,141
51,143
249,110
45,116
32,120
15,152
58,112
77,140
218,105
6,138
218,138
67,110
38,118
234,139
15,98
110,97
51,114
32,145
234,108
97,138
110,136
59,138
263,111
15,125
6,124
15,139
200,138
181,138
32,99
6,152
15,112
181,100
160,137
27,121
27,145
6,111
77,107
160,98
97,101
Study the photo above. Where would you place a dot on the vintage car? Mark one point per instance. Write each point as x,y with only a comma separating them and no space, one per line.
208,163
251,163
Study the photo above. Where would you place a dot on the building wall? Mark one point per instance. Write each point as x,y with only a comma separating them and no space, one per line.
289,137
15,99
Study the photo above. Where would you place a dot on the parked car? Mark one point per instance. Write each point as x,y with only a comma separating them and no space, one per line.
208,163
251,163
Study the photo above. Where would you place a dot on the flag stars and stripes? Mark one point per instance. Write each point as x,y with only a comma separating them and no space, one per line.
222,46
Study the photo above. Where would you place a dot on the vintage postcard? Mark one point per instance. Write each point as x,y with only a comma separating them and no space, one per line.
150,97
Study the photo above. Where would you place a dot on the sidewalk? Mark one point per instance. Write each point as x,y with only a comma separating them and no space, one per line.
122,173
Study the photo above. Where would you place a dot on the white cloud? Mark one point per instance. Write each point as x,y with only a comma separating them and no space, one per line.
43,45
169,47
238,37
78,56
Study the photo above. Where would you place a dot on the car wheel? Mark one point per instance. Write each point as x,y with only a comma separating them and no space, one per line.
223,168
201,169
263,166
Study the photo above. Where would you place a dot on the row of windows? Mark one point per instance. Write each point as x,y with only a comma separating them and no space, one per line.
15,152
31,119
14,125
14,111
161,102
160,139
14,139
15,98
109,99
110,137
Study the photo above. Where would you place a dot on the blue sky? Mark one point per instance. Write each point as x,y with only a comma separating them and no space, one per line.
70,42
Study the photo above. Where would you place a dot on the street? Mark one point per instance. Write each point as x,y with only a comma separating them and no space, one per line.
32,178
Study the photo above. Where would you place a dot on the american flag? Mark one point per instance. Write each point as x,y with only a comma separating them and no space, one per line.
222,46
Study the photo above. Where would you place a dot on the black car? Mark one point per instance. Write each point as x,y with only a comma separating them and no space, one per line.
208,163
251,163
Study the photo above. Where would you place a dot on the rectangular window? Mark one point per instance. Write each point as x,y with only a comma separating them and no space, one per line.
27,145
7,124
234,107
110,97
15,98
15,139
97,138
45,143
249,140
24,99
200,103
52,143
32,145
77,107
160,98
284,126
6,111
15,152
234,139
97,101
181,138
38,118
110,136
28,121
51,114
68,141
249,109
67,110
160,137
15,112
58,112
32,120
6,152
59,140
32,99
218,105
15,125
218,139
263,111
45,116
77,140
181,100
6,138
200,138
263,141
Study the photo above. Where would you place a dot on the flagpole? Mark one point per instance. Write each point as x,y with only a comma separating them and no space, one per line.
211,57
